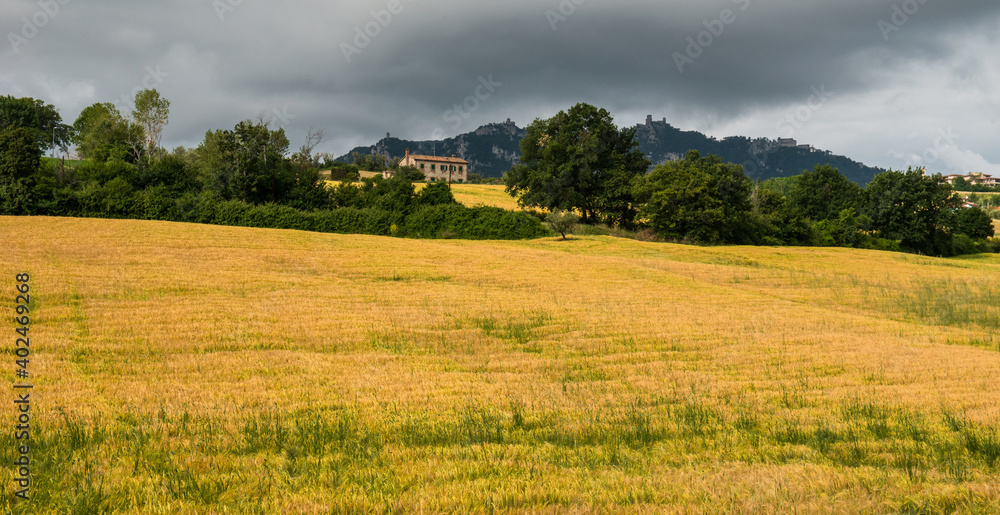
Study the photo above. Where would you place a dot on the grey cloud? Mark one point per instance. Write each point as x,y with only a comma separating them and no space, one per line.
288,57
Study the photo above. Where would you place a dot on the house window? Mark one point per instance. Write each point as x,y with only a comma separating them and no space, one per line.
421,166
460,168
432,167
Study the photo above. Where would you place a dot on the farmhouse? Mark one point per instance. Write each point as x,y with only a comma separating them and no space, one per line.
977,179
437,169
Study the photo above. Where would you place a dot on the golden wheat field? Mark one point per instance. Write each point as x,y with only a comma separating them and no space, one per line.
476,195
182,368
472,195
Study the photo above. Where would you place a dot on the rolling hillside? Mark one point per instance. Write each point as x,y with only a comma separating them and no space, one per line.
492,149
206,369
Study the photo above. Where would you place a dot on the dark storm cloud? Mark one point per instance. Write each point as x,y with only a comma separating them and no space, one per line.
414,67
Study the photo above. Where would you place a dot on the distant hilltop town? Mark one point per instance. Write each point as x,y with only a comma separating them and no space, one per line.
974,179
791,143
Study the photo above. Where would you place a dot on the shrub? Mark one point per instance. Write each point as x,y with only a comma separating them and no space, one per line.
562,222
410,173
344,173
883,244
156,203
434,194
478,223
118,200
15,197
349,220
844,231
962,244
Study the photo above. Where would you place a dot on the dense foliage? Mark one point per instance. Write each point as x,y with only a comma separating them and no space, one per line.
823,193
704,199
576,162
41,120
579,160
241,177
917,210
698,199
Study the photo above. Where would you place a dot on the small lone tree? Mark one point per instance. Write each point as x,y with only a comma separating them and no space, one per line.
562,222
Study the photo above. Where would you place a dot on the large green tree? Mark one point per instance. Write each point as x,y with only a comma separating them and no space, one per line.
247,163
101,133
823,193
700,199
579,160
41,120
917,210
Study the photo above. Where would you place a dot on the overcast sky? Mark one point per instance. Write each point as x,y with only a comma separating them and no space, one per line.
891,83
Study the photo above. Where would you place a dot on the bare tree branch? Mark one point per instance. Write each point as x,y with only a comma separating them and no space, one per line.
314,137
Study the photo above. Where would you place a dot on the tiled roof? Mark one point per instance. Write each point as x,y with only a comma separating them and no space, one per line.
439,159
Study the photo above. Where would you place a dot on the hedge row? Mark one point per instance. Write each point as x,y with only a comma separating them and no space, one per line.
478,223
438,221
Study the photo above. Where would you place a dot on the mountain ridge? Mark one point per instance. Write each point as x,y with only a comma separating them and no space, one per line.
494,148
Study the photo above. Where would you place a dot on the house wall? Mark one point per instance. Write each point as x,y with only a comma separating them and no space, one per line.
438,170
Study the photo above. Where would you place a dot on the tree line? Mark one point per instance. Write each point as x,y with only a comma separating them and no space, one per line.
244,176
579,161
